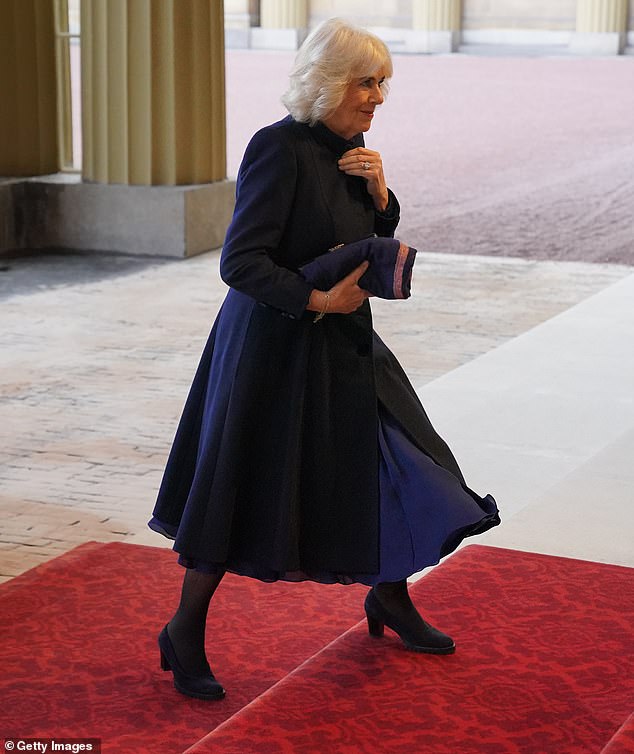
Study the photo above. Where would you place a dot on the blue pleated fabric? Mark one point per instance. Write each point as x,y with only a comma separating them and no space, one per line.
425,513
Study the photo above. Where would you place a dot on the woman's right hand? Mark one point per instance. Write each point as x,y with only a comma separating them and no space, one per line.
344,297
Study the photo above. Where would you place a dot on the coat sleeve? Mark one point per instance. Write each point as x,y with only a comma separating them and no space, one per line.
385,222
264,198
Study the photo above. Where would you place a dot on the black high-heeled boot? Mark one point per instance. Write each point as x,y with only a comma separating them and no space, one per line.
203,686
415,633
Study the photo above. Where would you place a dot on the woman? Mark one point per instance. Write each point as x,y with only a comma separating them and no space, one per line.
303,451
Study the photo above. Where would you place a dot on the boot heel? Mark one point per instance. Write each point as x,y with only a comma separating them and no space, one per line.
375,627
165,663
203,686
415,633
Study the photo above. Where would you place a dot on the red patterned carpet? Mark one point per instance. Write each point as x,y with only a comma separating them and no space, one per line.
544,666
80,659
544,662
623,740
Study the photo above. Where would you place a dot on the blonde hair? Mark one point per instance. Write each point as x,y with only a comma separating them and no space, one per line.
334,54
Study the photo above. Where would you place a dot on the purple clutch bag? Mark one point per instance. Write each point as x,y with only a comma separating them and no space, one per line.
388,276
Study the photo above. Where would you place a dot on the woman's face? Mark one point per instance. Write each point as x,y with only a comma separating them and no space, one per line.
356,110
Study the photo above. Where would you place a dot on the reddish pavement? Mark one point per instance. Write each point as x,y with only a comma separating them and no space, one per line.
528,157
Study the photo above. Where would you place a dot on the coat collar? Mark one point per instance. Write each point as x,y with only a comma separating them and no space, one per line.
335,143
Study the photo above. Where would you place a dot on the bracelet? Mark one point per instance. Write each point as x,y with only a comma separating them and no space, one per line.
322,313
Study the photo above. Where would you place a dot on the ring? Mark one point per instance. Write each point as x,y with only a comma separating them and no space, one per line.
365,165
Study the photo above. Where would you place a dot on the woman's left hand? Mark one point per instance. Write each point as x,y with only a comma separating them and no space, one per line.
367,164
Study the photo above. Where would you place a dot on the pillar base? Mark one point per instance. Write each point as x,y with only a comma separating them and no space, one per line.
168,221
597,43
432,41
277,39
9,222
237,39
237,31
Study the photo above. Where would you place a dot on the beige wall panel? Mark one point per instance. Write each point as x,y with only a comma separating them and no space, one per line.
192,83
387,13
437,15
117,82
139,93
163,111
237,14
602,15
217,95
99,90
200,134
551,15
283,14
28,133
185,77
236,6
8,92
26,73
539,15
46,77
153,91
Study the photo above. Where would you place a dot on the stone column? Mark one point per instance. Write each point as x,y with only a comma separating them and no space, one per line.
601,27
154,134
436,26
284,14
153,96
283,24
28,93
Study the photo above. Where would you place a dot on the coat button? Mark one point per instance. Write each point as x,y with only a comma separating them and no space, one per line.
363,349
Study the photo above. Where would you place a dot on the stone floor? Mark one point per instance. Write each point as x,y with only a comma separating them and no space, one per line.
96,369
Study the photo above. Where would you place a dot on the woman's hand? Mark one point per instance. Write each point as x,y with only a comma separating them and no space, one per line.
343,298
367,164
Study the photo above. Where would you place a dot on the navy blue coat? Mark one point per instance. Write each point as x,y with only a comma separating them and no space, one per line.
274,468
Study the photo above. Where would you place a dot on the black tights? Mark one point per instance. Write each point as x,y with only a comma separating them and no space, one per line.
187,628
394,597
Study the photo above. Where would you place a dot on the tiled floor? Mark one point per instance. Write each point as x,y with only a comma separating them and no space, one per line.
95,374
